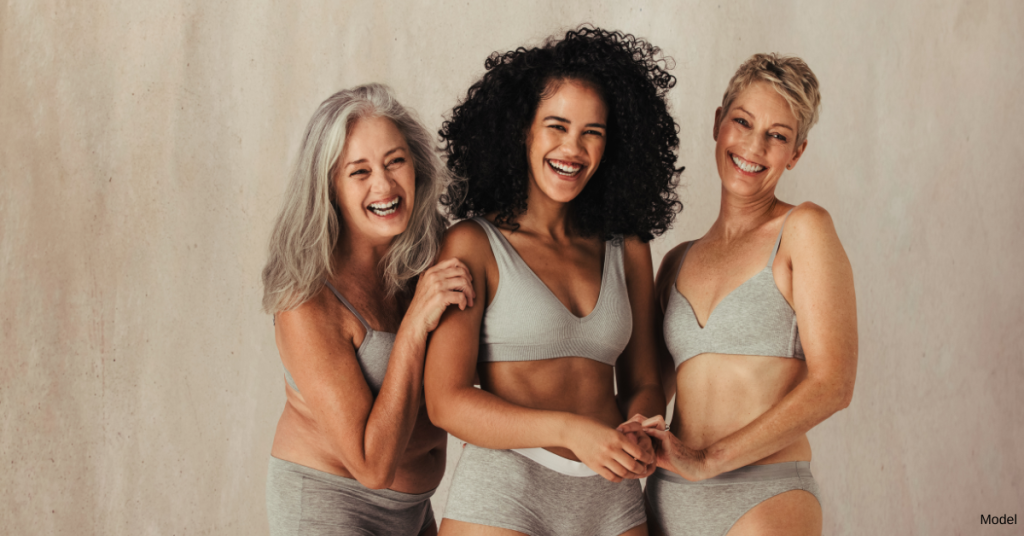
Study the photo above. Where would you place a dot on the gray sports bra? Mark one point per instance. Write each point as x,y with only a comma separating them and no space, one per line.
526,322
754,319
373,354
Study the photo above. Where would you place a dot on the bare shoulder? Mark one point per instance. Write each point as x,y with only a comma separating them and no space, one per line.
466,238
811,222
810,235
666,276
315,320
670,262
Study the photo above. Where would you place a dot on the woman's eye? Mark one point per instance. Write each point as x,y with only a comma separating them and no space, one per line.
359,172
595,132
396,161
557,127
779,137
741,121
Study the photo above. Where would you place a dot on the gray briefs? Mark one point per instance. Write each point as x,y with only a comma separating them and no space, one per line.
505,489
305,501
711,507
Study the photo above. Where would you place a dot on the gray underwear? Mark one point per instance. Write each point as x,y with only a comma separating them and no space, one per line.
305,501
711,507
501,488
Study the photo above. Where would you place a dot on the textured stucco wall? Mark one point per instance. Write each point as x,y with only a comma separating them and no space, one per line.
143,150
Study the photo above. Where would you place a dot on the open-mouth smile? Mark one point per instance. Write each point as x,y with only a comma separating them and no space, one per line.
565,168
746,165
385,208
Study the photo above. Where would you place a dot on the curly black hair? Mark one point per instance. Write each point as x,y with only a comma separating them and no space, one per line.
633,190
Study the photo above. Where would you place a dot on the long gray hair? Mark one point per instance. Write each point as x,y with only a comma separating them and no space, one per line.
308,228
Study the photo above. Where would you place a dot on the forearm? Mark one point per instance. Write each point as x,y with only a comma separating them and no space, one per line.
811,402
648,400
486,420
391,421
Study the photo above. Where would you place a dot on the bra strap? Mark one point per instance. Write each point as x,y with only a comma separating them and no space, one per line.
349,306
778,240
504,254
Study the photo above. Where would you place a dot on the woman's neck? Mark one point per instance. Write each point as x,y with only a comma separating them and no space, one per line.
359,257
738,216
545,217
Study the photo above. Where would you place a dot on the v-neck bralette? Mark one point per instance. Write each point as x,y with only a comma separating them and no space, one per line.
753,319
526,321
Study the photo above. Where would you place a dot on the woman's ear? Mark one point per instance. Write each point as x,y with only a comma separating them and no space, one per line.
796,155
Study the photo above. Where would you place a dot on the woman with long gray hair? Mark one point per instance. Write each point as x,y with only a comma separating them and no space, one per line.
353,302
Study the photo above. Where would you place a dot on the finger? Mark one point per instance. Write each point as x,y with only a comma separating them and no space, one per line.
619,467
648,448
638,418
462,284
630,426
608,475
633,449
656,421
456,298
629,464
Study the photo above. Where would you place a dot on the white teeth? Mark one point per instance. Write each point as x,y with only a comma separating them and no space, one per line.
749,167
384,209
563,169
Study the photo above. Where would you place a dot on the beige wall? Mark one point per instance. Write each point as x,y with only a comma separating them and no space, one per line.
143,151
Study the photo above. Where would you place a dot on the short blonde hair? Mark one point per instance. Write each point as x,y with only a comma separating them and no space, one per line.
790,76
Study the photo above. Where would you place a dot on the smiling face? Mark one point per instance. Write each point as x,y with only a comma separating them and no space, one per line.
756,141
566,141
375,181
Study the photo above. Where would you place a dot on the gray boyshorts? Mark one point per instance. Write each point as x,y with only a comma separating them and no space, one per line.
505,489
305,501
711,507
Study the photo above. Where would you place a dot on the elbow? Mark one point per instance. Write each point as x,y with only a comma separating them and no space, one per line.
438,408
847,397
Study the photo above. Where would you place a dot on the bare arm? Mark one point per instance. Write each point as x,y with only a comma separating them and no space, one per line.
664,283
484,419
368,435
825,305
637,368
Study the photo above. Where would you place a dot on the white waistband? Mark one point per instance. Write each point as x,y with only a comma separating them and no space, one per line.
556,463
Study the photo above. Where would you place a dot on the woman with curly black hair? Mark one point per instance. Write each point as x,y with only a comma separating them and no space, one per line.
566,154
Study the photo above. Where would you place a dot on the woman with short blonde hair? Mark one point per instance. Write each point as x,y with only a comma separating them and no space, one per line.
761,322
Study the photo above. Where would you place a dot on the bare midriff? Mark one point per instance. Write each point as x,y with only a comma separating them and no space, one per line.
718,394
576,385
299,439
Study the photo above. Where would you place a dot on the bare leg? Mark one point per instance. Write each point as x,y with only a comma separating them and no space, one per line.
793,513
451,527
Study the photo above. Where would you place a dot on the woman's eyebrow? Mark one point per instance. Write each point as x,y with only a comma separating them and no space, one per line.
564,120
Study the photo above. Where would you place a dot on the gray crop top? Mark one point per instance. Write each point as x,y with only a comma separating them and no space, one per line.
754,319
373,354
526,322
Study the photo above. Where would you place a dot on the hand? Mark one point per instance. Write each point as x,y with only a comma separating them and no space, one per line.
446,283
633,429
609,452
674,456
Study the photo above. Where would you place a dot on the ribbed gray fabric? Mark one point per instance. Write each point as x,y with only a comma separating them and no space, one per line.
304,501
373,354
754,319
711,507
526,322
500,488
